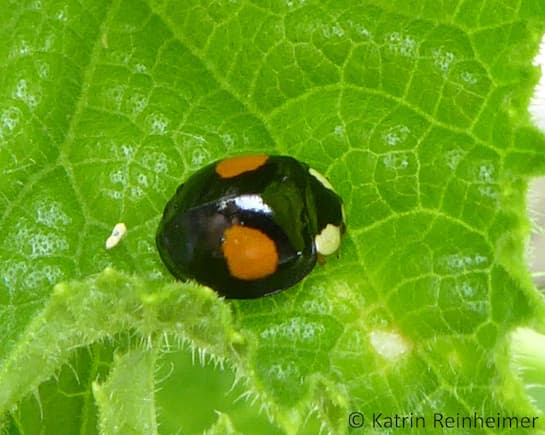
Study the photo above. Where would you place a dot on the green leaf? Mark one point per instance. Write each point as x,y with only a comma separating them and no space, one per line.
83,313
126,401
417,113
528,361
224,425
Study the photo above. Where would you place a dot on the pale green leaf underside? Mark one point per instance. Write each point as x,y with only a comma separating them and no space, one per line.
416,111
528,361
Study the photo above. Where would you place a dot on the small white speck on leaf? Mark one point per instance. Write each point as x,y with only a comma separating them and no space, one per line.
118,233
443,59
389,345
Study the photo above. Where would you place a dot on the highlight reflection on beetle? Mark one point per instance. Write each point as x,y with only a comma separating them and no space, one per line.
250,226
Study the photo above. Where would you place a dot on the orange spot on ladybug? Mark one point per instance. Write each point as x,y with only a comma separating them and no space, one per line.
238,165
250,254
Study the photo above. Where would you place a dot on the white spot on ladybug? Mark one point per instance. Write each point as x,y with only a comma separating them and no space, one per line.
389,345
329,240
249,202
321,178
118,233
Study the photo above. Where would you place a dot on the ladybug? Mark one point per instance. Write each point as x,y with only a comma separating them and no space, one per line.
250,226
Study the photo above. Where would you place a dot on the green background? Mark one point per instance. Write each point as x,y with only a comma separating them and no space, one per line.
417,113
